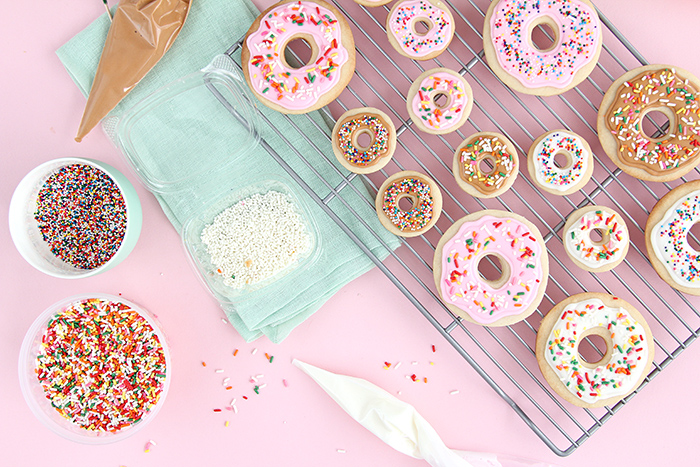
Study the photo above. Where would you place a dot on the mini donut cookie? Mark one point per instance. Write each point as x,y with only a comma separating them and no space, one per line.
521,65
627,360
408,16
298,90
373,3
347,148
421,191
572,175
515,243
596,255
666,237
439,101
485,165
652,88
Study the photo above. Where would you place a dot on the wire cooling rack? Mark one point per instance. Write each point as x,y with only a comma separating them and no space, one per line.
505,357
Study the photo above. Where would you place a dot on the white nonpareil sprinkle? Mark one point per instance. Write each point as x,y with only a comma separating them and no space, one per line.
256,238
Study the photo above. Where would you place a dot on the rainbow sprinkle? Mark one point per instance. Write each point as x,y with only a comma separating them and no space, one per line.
613,376
669,239
418,217
101,365
546,171
402,24
81,215
648,91
378,147
478,149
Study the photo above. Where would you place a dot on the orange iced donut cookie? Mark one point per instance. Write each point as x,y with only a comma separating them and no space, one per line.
628,357
352,154
425,198
288,89
660,88
485,165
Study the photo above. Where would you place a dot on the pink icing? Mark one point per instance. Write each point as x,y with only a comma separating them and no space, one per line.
461,283
402,28
295,88
579,34
428,112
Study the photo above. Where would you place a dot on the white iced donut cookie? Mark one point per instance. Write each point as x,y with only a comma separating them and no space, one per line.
567,177
666,236
627,359
607,249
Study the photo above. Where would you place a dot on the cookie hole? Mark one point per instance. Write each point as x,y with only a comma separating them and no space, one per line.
562,160
656,125
299,53
694,237
422,26
544,34
599,237
406,203
487,165
593,348
441,100
494,270
362,139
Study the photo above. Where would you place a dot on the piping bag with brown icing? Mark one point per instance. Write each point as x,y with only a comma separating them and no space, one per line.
140,34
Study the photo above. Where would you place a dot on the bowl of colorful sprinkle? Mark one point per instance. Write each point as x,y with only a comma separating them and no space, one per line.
95,369
74,217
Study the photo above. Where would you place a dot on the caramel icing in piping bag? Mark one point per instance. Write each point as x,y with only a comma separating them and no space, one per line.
141,32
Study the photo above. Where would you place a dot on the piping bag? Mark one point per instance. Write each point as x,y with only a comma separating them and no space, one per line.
140,34
399,425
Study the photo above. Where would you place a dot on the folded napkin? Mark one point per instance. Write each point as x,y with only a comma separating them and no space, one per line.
211,28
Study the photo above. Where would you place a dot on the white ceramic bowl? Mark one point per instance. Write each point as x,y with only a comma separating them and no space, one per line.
34,392
24,228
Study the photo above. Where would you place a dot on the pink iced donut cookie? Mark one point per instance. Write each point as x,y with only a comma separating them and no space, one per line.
520,64
439,101
420,29
283,87
505,238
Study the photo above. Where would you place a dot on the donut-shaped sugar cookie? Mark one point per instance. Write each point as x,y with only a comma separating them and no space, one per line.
353,154
560,179
485,165
439,101
666,236
425,203
373,3
512,55
596,254
420,29
627,360
502,237
283,87
653,88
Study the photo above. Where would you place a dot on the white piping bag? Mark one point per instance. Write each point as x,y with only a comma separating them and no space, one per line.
398,424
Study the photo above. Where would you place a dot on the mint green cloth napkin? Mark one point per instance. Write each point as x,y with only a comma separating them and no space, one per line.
211,28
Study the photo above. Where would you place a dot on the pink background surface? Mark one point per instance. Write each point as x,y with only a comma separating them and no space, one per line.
366,323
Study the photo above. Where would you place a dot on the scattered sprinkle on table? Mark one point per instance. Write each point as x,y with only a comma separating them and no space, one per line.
101,365
256,238
81,215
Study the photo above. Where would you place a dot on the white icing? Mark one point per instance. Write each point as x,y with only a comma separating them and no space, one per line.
629,352
579,245
669,240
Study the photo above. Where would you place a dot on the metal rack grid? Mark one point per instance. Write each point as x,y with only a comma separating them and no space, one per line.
505,357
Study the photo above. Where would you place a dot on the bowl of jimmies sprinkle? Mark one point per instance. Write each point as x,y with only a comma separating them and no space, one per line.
95,368
74,217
